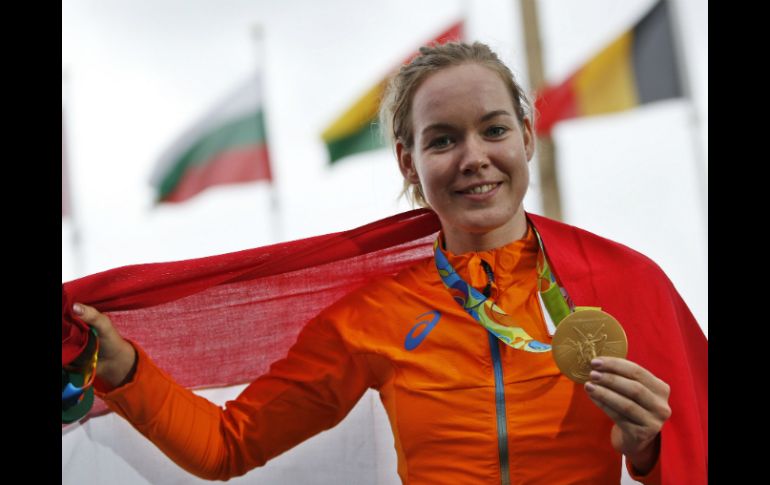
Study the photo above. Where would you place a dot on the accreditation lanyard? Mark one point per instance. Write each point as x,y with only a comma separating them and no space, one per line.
491,316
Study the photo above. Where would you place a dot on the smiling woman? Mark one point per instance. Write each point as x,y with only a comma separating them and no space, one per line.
470,157
459,345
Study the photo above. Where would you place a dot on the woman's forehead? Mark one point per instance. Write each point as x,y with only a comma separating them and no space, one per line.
467,91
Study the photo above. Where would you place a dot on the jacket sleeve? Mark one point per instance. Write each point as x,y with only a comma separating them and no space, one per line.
310,390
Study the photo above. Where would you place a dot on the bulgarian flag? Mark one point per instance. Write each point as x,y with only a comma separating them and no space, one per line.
357,130
636,68
226,146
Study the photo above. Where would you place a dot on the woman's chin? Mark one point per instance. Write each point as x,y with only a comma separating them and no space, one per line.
485,229
489,220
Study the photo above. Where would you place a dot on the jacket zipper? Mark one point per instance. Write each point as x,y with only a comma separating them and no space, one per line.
502,426
502,422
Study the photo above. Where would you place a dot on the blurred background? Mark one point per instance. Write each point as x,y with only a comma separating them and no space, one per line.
141,78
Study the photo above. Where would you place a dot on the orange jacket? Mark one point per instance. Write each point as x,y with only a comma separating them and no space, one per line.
434,367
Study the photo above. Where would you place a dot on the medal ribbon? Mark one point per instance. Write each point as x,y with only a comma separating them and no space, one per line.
492,317
555,298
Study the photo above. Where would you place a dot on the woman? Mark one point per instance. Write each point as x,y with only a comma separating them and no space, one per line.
465,406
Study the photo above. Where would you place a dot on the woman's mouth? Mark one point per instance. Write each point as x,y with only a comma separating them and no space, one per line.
480,190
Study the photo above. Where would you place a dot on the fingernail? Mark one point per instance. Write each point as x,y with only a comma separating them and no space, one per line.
77,308
590,387
596,363
595,376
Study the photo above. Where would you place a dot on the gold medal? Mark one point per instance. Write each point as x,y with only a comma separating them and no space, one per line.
584,335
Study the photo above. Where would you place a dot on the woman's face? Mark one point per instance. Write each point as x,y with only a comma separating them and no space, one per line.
470,154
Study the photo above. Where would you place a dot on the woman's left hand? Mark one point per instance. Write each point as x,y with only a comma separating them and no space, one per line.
637,402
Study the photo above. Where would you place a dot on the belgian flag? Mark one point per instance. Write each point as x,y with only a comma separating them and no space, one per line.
636,68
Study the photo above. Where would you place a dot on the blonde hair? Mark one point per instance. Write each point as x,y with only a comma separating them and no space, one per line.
396,106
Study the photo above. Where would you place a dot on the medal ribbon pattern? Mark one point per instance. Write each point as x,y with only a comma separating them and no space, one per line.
555,298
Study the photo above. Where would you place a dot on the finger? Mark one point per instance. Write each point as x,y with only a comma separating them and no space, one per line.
622,409
93,317
632,434
633,371
627,427
635,391
616,418
619,408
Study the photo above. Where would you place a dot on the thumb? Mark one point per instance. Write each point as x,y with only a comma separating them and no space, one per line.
93,317
116,355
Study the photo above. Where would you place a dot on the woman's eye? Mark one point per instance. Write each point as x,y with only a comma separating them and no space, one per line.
496,131
440,142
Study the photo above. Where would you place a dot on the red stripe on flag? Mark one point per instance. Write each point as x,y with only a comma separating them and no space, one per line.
243,164
554,104
452,34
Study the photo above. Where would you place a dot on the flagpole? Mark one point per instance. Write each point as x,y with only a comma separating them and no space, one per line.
465,9
546,150
693,118
258,34
75,236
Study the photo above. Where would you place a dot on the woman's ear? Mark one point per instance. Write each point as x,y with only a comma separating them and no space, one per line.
529,137
406,163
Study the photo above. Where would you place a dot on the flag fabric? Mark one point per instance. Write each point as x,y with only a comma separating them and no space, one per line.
638,67
228,145
357,130
226,318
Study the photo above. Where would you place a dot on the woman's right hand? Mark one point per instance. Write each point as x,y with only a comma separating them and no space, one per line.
116,355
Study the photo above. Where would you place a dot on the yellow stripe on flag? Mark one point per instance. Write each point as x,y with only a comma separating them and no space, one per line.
606,83
363,112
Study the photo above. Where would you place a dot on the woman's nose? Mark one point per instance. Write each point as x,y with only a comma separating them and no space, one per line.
474,157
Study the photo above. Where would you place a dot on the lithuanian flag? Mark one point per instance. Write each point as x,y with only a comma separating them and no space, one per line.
226,146
638,67
357,130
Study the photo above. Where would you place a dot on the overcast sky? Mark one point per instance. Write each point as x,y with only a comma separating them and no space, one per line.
135,74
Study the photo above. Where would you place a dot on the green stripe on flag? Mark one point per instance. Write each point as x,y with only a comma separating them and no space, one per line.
248,130
366,138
